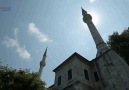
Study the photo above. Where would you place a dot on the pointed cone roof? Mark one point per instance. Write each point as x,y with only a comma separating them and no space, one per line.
83,12
45,53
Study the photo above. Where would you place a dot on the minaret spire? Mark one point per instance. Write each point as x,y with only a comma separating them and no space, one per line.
83,12
100,44
42,63
45,53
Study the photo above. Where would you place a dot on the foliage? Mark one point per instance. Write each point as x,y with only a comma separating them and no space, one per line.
12,79
120,43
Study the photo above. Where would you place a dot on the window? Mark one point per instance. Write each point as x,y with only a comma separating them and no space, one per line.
69,74
86,74
96,76
59,80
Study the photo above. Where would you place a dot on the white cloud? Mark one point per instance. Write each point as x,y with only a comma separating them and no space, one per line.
10,42
23,53
91,1
36,32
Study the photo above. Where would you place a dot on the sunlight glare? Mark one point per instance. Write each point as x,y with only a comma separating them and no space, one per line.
95,17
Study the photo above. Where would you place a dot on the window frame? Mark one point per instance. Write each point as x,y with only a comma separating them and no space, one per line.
96,77
70,75
86,74
59,80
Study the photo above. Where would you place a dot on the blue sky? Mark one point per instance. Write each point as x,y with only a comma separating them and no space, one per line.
27,27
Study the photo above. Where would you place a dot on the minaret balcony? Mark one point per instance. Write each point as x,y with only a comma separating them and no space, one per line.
87,17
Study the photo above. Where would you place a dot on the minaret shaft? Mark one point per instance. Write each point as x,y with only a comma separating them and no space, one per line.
95,34
40,70
42,63
100,44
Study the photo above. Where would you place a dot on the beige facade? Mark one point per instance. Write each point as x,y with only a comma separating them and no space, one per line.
79,66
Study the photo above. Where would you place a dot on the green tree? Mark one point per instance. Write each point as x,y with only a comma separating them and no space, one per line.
12,79
120,43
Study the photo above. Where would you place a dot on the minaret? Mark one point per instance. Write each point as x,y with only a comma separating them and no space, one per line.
112,69
42,63
100,44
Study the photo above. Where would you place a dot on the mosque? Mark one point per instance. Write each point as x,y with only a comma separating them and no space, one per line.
107,71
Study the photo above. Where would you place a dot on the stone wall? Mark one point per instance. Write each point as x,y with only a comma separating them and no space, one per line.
114,71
